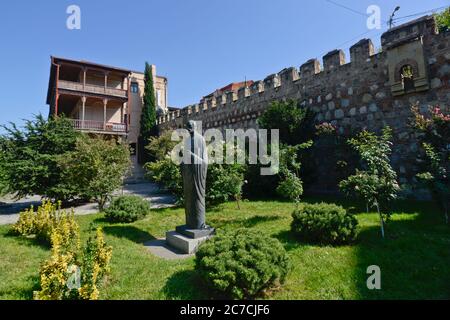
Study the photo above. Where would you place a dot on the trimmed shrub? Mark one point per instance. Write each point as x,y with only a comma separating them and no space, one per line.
127,209
324,223
242,263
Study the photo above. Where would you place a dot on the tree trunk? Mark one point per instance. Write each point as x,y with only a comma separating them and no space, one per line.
381,220
237,197
446,214
101,202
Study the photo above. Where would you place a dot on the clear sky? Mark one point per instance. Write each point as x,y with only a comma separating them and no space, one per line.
200,45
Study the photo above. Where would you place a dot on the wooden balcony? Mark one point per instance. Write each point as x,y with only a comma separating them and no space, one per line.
99,126
92,89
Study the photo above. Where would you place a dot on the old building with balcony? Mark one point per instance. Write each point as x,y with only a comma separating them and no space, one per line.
101,99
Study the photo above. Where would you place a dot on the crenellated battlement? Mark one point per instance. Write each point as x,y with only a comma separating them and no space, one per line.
335,91
360,53
370,91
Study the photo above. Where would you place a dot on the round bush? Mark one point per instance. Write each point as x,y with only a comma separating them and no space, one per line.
242,263
127,209
324,223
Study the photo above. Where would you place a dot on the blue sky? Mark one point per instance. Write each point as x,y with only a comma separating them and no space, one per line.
200,45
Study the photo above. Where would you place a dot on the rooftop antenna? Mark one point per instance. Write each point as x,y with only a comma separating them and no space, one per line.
391,18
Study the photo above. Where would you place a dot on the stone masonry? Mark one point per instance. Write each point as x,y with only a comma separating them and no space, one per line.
368,92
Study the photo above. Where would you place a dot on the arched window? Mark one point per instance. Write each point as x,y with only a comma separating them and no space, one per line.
407,77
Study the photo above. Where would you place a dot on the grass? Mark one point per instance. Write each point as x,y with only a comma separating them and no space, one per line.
414,257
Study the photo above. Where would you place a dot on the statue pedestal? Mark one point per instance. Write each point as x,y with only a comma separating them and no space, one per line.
194,233
188,240
184,244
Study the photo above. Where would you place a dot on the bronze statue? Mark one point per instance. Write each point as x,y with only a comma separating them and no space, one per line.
194,169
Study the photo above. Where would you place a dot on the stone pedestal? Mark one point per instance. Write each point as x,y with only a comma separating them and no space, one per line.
188,240
194,233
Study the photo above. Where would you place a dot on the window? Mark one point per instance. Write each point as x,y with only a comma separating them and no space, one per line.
134,87
158,98
407,77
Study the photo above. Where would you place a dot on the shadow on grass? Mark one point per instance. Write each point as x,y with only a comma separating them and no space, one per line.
128,232
101,220
29,241
292,241
25,293
244,222
413,259
186,285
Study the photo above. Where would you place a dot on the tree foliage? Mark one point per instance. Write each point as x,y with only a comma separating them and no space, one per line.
291,185
224,182
443,20
160,146
376,183
434,133
29,157
294,122
148,115
296,128
96,167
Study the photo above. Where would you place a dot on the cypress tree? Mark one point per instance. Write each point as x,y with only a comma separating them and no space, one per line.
148,116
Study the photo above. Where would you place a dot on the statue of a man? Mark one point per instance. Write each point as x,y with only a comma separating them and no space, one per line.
194,168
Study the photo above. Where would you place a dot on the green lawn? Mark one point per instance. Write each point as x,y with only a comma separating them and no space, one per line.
414,258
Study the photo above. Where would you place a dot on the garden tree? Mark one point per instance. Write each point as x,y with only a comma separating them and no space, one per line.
96,167
160,147
296,126
377,182
148,116
29,157
443,20
434,135
295,122
223,181
340,159
3,181
291,185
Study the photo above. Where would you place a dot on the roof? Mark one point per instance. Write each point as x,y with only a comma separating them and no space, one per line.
88,63
230,87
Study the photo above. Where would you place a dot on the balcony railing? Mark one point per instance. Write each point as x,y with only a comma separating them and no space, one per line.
99,126
90,88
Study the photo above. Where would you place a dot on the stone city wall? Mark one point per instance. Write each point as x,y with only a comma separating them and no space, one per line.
367,92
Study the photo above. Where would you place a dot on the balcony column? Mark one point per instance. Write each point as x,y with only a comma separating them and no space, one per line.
106,80
84,78
56,103
83,111
105,103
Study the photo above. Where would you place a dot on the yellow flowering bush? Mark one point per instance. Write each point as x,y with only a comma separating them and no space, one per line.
41,223
54,272
96,258
69,274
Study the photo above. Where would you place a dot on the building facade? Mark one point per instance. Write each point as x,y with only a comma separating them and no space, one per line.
101,99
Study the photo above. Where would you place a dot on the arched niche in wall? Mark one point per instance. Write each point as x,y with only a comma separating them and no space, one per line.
407,69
